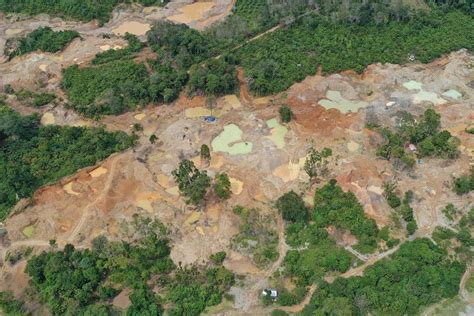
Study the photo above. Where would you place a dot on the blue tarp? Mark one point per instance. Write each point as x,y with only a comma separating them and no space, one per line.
210,119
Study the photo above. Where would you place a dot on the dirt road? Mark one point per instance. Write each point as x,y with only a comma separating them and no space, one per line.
262,278
99,198
462,286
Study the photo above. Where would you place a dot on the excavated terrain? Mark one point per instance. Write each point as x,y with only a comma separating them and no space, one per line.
97,200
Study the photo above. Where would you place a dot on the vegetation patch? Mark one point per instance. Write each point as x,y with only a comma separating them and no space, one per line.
333,206
465,183
10,305
84,282
43,39
214,77
257,236
78,10
32,155
313,255
417,137
276,61
417,275
134,46
35,99
110,88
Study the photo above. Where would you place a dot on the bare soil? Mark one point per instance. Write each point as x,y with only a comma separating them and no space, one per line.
87,204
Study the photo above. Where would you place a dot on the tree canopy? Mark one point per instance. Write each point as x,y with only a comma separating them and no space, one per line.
292,207
417,275
84,282
333,206
43,39
32,155
192,183
80,10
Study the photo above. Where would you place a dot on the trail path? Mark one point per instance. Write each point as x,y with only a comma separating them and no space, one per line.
462,286
77,229
298,308
99,198
262,279
360,256
264,33
27,243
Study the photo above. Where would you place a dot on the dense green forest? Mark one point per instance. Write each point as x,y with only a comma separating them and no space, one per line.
110,88
251,17
214,77
84,282
43,39
417,275
32,155
180,43
85,10
318,255
288,55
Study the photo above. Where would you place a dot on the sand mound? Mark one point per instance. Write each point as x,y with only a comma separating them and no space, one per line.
236,186
232,101
48,119
140,116
197,112
192,12
132,27
98,172
69,190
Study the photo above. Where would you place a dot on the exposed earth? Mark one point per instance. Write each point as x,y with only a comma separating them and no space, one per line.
262,157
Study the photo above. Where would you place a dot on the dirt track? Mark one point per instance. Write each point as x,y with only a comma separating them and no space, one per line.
141,182
85,212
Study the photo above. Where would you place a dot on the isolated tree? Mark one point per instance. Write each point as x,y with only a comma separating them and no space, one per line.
218,257
137,127
389,192
464,184
192,183
153,138
205,153
285,113
223,186
316,161
292,207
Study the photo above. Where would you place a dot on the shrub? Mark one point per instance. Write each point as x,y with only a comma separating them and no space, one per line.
205,152
411,227
286,115
464,184
11,306
43,39
35,99
223,186
218,257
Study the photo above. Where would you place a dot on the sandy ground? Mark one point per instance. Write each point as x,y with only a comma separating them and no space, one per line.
133,19
98,199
